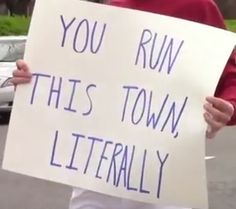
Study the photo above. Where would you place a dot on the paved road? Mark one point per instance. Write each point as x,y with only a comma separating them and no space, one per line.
222,170
20,192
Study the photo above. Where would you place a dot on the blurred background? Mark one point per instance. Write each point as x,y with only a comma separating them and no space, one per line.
24,8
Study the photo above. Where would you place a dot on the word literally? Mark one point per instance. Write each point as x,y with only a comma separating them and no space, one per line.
157,52
114,163
55,92
138,105
85,35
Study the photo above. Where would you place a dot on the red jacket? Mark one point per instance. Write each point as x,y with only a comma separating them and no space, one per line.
202,11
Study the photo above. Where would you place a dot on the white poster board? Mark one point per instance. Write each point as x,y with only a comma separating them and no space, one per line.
115,104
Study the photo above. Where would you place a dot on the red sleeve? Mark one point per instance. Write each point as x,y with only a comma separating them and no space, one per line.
226,88
212,15
118,3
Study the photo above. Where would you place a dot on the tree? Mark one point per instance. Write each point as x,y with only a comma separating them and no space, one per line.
21,7
16,7
227,7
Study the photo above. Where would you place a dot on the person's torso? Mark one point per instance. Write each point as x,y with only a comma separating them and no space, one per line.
202,11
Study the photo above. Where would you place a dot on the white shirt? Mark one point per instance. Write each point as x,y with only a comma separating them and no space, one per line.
85,199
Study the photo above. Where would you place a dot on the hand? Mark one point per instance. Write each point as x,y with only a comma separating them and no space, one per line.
22,74
218,113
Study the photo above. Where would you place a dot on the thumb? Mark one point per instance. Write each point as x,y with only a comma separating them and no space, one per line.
210,133
21,65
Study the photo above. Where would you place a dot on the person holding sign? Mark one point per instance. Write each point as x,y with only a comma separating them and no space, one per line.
220,110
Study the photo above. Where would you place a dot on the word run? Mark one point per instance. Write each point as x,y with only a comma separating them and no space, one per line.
157,52
115,163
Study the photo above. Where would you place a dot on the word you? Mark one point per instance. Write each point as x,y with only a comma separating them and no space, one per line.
85,34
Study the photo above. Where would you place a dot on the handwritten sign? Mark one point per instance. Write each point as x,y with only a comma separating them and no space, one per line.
115,103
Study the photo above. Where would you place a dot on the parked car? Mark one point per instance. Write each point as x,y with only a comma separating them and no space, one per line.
11,49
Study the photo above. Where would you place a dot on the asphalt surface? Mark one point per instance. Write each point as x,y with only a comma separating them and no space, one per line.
21,192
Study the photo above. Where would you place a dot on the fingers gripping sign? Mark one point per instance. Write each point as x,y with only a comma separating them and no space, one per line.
218,113
22,74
